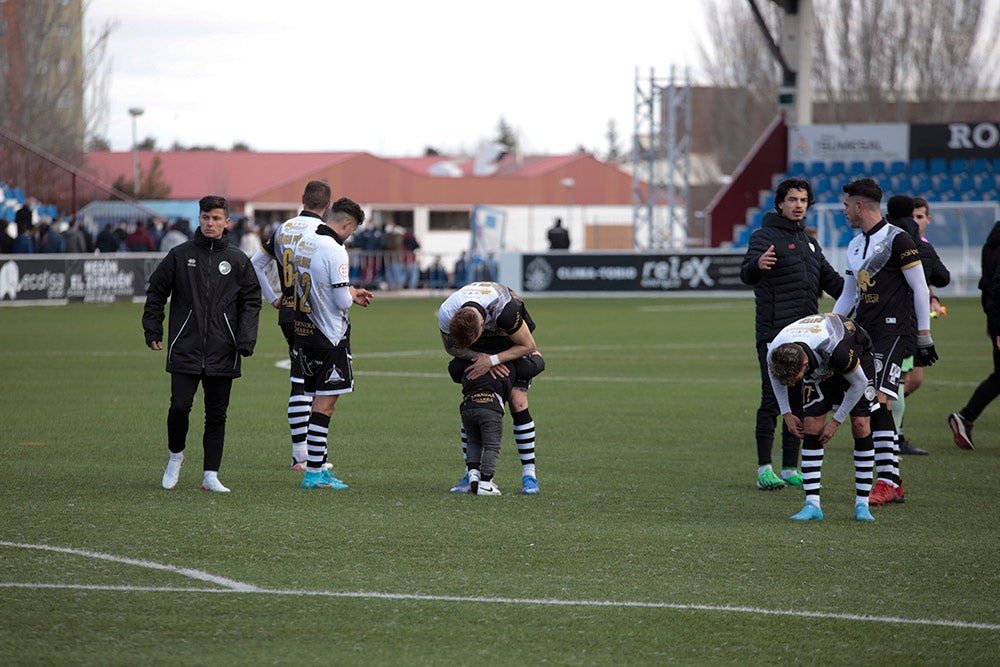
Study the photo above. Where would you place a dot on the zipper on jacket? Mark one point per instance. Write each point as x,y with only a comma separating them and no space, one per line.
233,336
208,307
170,352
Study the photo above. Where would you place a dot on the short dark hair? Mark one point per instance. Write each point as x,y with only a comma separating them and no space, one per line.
316,196
785,363
212,202
788,184
344,207
920,202
899,206
865,188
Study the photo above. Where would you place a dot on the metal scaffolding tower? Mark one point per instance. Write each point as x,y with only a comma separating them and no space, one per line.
661,160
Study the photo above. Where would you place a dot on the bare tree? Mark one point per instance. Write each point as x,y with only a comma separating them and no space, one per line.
873,60
45,70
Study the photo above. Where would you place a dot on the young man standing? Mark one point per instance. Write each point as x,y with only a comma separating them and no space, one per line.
214,308
322,348
279,248
887,290
788,271
834,357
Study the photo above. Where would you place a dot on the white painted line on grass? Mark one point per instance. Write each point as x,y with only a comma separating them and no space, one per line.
237,587
183,571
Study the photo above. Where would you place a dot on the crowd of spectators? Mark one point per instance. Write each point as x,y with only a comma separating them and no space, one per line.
384,258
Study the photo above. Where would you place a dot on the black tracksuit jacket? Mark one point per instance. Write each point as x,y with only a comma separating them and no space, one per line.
214,307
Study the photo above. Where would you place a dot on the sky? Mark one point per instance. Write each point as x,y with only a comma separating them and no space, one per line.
389,77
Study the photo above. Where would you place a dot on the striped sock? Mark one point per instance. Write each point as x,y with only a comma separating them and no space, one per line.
524,437
319,427
299,407
812,466
864,462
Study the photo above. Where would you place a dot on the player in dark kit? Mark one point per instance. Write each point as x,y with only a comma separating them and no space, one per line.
833,357
887,288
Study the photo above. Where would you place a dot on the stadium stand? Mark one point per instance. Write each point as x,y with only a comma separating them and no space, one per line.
941,181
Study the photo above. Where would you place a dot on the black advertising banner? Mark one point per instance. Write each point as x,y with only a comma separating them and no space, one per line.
87,278
955,140
679,272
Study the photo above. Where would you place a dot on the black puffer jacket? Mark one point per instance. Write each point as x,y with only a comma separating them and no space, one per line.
790,290
990,262
214,307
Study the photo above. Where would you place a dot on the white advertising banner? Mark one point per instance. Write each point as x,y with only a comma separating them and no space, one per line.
849,143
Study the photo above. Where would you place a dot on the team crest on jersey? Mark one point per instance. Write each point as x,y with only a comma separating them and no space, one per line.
344,271
225,267
333,376
865,280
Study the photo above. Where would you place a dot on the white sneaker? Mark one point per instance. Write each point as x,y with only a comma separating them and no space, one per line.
213,484
487,489
172,473
474,476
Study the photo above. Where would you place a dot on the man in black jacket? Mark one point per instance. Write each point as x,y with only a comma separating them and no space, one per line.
788,272
961,421
214,308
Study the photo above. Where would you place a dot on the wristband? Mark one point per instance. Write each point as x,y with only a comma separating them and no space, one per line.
494,360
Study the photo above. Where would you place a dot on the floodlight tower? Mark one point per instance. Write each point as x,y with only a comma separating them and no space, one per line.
794,55
661,159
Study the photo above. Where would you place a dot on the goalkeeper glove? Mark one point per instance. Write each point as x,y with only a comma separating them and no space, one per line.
925,350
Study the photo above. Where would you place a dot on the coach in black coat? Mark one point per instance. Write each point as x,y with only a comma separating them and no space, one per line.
788,271
214,308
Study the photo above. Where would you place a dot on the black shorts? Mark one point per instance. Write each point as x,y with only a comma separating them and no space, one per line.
324,371
825,396
890,351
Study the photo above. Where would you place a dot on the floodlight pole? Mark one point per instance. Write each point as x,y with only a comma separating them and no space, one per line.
135,112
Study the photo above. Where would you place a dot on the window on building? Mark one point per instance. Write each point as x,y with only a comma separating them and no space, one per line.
403,218
441,221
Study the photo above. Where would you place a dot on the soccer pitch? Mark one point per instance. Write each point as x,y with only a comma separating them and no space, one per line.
649,543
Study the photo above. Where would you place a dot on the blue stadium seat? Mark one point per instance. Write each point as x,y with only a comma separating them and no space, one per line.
938,166
979,166
816,168
857,169
897,168
918,166
923,186
898,183
877,169
836,168
957,166
965,184
797,169
996,165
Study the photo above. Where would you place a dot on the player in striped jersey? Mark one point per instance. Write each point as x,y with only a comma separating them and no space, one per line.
833,357
887,290
278,248
488,324
323,296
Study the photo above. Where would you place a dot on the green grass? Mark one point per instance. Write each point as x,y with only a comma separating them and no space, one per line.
646,461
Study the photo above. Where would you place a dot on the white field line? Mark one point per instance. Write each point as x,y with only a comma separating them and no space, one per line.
231,586
183,571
